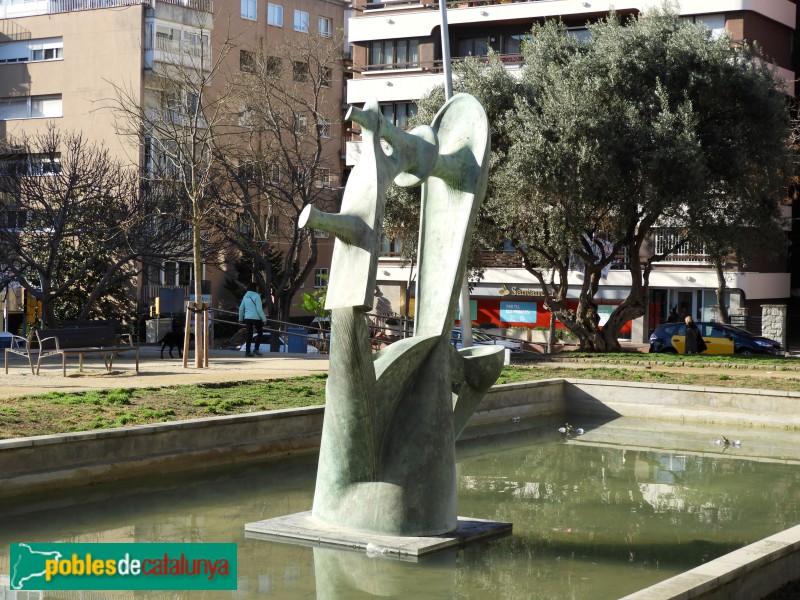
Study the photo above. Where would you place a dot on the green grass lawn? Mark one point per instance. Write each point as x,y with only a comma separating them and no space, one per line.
64,412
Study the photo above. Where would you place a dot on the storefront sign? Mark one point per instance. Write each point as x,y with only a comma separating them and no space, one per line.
517,291
604,312
518,312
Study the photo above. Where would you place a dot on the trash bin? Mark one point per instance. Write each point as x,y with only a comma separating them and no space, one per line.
5,339
298,340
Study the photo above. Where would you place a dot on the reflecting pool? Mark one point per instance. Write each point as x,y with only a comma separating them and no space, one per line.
595,516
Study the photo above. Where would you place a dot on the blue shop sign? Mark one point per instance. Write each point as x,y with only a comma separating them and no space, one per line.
518,312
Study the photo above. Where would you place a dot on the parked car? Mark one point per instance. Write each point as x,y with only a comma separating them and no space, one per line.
481,338
284,347
720,338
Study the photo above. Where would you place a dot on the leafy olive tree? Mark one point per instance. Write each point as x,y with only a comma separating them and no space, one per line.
649,124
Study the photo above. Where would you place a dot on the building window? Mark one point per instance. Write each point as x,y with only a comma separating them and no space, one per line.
478,46
31,107
325,25
20,51
324,127
322,178
300,72
246,117
13,52
249,9
390,245
273,66
274,173
398,113
394,54
320,277
582,34
44,165
47,54
716,23
275,15
247,61
300,123
273,225
301,21
325,76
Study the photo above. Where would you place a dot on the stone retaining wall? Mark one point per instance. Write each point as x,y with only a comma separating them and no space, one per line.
43,463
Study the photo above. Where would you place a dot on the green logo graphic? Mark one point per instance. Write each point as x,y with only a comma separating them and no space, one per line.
43,566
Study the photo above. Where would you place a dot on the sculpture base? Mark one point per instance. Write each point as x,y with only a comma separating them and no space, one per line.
301,528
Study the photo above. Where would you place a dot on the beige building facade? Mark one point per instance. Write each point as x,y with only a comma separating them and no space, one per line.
63,62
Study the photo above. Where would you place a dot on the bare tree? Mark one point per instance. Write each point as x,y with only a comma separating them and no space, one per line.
282,158
74,219
177,124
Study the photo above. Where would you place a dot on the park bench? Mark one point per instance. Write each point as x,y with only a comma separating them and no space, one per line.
88,337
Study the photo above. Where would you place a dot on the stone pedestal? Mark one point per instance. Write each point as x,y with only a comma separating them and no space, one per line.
302,528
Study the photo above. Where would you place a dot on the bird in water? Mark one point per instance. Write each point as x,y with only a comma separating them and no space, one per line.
570,430
726,442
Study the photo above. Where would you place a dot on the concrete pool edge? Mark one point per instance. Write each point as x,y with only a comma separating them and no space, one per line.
754,571
38,464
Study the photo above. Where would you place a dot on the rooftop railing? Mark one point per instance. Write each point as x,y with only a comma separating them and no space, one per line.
422,4
10,10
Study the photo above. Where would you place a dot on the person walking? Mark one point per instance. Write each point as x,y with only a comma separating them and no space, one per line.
251,313
673,316
695,344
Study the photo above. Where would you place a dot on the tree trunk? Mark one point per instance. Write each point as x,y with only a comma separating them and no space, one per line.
724,317
633,307
199,346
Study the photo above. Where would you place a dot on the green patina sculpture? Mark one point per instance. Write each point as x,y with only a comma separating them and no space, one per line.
387,456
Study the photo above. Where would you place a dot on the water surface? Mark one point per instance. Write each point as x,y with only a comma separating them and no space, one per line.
597,516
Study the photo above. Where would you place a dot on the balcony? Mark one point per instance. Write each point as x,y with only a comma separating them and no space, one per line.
149,292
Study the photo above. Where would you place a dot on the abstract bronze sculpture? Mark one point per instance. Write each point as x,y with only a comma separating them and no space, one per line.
387,456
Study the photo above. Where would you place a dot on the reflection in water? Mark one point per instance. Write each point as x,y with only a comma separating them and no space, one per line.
591,519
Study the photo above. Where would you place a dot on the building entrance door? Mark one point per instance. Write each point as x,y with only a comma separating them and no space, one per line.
684,301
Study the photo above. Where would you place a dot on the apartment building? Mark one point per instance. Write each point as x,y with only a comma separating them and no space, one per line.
297,42
63,62
397,58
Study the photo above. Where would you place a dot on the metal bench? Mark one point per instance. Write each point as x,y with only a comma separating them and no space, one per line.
100,339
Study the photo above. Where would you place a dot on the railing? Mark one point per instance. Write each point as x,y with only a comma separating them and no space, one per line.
178,46
199,5
11,30
45,7
750,323
436,66
400,4
150,291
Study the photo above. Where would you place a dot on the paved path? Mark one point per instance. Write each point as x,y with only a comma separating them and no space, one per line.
224,365
230,365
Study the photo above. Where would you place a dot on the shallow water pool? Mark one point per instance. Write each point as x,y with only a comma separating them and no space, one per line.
595,516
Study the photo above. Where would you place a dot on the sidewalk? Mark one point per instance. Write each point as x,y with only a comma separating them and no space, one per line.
224,365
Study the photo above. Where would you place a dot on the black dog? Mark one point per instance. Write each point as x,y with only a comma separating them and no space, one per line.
172,339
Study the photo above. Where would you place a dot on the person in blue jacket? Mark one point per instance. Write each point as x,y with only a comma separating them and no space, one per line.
251,313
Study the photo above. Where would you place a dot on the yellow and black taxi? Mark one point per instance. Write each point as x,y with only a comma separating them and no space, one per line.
720,338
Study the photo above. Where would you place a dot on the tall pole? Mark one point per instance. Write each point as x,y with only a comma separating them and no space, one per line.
463,301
